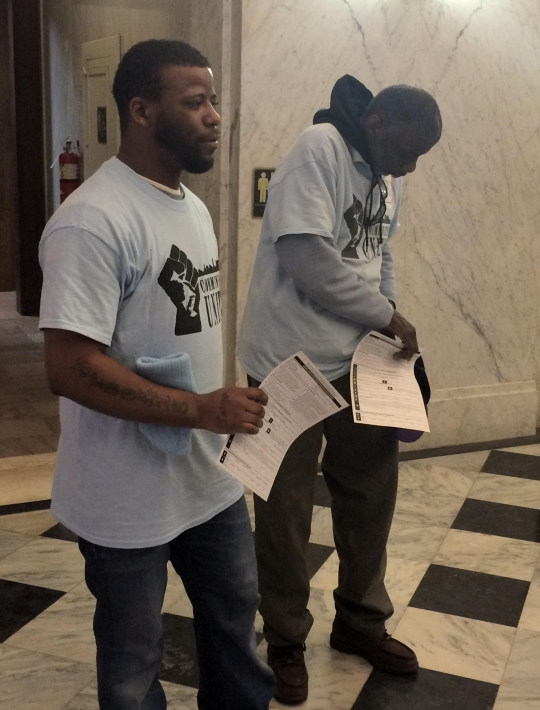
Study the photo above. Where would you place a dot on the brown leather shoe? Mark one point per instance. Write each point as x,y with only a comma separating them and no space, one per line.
290,670
384,653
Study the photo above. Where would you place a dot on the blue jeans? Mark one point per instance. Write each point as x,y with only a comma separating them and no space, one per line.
216,561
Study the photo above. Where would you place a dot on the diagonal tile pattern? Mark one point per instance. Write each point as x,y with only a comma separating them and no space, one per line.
463,572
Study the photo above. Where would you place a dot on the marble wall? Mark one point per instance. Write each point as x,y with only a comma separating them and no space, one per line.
467,252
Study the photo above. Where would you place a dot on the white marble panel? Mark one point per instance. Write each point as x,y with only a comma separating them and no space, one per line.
176,599
36,681
26,478
520,687
490,554
327,575
321,526
468,464
467,250
402,579
415,542
11,541
429,511
45,562
431,478
459,61
64,629
33,523
530,450
321,606
507,489
455,645
530,616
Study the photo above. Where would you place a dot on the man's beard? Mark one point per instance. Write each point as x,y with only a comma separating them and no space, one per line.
187,154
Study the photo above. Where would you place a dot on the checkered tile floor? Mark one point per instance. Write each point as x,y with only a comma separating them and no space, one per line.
462,570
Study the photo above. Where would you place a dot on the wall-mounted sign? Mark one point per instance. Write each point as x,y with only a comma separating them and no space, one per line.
102,124
261,179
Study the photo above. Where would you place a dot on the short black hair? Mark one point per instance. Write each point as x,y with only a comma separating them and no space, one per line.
139,71
400,104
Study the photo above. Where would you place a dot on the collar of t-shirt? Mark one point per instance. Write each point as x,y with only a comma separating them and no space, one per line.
177,194
359,162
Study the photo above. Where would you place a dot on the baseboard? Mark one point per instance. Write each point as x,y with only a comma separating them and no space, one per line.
480,415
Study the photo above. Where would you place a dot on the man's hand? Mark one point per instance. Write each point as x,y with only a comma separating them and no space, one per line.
406,332
232,410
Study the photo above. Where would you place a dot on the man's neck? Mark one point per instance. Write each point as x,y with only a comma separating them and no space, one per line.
150,165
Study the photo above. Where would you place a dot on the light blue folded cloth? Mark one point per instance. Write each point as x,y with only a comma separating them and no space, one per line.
171,371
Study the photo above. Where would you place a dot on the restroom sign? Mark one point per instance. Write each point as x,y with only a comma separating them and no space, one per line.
261,180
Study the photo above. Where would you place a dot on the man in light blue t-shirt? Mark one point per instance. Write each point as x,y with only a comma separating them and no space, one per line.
131,281
323,278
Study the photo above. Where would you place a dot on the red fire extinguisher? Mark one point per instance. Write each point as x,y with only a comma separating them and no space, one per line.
70,168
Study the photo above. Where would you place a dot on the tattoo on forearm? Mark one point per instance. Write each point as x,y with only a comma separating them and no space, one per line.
223,405
150,398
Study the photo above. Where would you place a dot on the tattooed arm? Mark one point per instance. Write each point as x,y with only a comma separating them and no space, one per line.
78,368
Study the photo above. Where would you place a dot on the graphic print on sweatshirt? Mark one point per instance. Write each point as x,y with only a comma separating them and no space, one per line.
366,239
185,285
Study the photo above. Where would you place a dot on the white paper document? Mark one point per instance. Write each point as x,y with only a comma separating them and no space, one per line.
299,396
384,391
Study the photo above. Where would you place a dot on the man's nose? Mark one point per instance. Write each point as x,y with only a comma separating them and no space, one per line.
212,117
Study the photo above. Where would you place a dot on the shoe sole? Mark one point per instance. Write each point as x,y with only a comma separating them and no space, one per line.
287,701
386,668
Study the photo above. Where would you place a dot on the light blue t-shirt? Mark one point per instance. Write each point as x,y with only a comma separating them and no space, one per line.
132,268
320,188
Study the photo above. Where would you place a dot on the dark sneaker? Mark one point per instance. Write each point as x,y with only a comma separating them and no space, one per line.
384,653
290,670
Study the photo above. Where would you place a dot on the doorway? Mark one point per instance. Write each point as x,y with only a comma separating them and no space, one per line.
100,58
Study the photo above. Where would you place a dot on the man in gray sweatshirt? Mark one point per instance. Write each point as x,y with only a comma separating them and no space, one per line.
323,279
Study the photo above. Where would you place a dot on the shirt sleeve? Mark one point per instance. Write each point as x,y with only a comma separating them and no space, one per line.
316,267
303,201
388,281
82,284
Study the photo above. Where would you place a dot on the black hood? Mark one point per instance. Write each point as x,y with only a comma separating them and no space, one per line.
348,103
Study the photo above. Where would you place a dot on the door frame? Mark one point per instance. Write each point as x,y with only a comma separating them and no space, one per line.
93,51
27,90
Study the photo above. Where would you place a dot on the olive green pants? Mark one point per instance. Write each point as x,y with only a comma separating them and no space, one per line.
360,466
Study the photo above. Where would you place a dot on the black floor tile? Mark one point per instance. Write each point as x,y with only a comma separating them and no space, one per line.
25,507
499,519
316,556
60,532
474,595
506,463
179,663
20,603
429,690
322,494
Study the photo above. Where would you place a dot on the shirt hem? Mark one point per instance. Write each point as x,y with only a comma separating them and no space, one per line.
138,544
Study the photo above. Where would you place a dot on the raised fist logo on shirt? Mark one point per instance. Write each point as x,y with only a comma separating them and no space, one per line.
354,218
179,279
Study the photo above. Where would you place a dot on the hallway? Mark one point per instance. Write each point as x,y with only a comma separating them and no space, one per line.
462,571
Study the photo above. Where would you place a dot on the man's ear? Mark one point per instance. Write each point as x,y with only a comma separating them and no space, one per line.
141,111
374,125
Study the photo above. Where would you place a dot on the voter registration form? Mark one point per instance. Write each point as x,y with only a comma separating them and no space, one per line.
299,396
384,391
